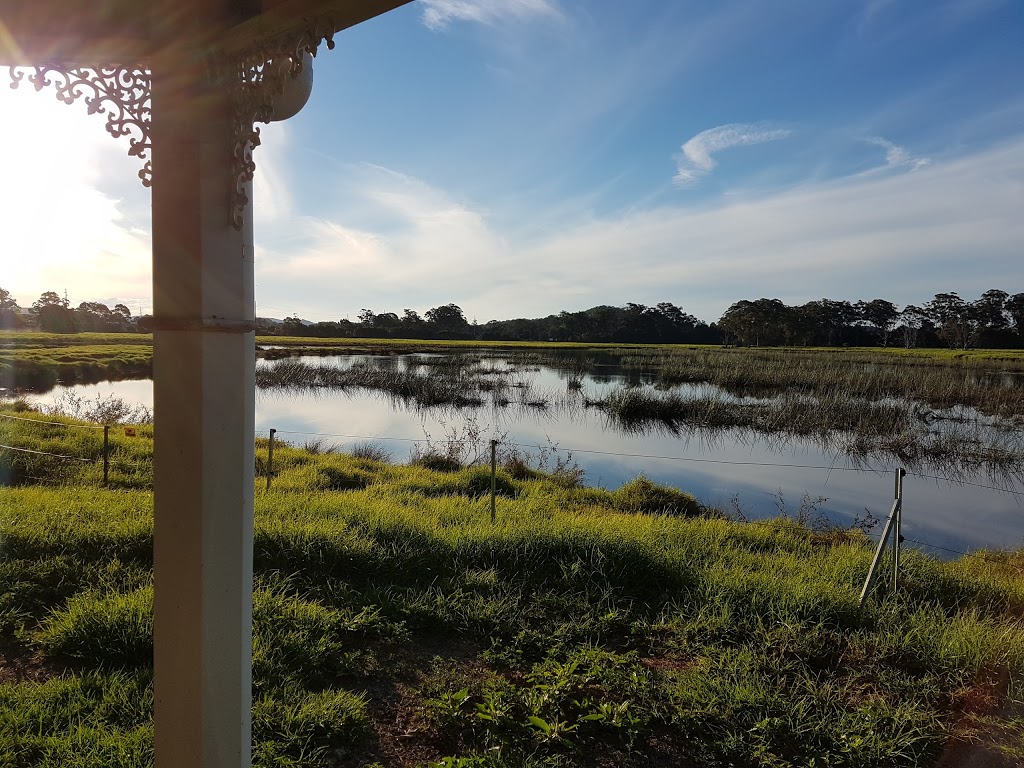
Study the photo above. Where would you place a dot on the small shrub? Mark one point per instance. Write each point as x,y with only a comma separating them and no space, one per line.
643,495
519,468
319,446
101,410
435,461
477,482
371,452
337,479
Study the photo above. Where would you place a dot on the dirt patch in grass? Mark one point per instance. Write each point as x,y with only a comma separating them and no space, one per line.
19,664
403,734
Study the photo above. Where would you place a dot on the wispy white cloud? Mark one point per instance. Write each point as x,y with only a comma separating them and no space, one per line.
953,225
897,156
697,158
871,11
438,14
272,188
401,242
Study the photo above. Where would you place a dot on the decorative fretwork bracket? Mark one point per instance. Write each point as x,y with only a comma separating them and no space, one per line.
122,94
262,74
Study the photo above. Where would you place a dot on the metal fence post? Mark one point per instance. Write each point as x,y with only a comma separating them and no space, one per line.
890,523
897,533
106,453
270,458
494,471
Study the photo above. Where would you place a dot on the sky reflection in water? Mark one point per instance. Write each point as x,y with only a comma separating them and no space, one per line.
946,514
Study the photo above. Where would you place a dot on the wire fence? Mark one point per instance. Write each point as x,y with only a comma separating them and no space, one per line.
876,471
51,423
691,459
44,453
121,464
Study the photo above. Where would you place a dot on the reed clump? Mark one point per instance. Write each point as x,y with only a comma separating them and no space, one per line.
989,385
856,427
407,386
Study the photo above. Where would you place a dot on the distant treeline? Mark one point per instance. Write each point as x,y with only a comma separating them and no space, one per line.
633,323
994,320
50,312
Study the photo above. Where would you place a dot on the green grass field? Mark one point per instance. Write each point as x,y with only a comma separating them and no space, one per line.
31,339
395,625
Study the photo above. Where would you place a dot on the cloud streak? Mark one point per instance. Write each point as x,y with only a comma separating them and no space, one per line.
697,158
438,14
897,156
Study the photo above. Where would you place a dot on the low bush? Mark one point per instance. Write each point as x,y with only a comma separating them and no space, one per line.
643,495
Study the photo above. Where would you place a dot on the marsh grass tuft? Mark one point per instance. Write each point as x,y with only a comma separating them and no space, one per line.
642,495
370,452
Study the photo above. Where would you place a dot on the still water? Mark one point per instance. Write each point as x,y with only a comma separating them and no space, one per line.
726,470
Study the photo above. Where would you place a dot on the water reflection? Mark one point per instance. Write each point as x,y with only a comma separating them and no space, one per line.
722,467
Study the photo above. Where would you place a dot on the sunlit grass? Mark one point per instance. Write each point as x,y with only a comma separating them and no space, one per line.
394,622
41,367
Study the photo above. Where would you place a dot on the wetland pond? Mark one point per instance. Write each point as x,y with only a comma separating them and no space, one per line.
743,432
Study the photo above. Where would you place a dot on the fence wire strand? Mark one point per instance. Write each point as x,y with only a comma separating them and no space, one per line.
830,468
936,546
51,423
45,453
711,461
1011,491
373,437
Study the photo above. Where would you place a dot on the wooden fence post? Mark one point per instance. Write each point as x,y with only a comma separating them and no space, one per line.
494,471
106,453
897,533
270,458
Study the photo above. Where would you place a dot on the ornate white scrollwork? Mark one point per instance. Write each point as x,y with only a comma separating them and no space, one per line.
262,75
122,94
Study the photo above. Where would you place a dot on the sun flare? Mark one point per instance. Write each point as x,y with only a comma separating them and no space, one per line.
64,228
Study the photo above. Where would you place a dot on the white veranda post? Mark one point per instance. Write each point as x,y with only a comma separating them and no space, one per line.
204,395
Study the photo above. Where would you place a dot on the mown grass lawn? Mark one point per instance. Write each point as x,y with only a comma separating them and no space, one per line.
395,625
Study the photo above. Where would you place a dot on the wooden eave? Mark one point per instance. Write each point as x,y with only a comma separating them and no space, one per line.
129,33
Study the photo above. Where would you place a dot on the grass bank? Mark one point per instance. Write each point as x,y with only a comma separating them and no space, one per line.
395,625
33,339
41,368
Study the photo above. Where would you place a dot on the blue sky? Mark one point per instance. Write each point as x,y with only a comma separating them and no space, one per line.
525,156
